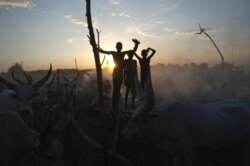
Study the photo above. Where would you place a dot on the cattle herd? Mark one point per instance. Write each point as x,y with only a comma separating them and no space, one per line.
35,114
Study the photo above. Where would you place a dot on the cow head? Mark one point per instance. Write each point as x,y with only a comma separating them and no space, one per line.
46,149
138,124
46,91
24,94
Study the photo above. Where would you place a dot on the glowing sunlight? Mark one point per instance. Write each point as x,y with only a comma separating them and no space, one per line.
109,62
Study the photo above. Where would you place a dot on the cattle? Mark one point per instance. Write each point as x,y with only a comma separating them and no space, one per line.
19,145
19,97
55,100
182,128
243,93
46,92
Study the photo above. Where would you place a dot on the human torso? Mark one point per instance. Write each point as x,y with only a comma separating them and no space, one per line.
119,64
130,67
144,64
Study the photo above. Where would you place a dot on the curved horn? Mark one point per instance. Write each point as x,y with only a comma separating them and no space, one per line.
53,78
65,78
77,76
38,84
149,103
21,83
28,78
9,84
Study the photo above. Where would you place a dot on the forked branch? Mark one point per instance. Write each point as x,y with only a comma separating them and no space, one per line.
202,30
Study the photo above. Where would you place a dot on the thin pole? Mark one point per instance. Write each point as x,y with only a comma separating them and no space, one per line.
232,54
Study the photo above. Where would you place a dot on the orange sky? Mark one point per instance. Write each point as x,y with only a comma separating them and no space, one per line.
42,32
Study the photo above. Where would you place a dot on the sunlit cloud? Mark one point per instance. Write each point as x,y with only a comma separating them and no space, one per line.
72,40
169,29
122,14
80,20
149,34
160,22
115,2
77,20
184,32
16,3
144,31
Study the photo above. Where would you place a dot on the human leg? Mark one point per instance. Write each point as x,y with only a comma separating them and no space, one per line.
116,93
126,97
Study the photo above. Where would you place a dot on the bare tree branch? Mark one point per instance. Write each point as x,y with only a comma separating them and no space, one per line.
99,79
202,30
98,41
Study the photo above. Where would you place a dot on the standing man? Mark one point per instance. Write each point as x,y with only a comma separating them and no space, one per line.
130,76
144,64
118,57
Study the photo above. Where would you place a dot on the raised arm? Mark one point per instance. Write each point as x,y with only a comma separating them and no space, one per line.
137,42
139,58
135,47
99,49
103,51
152,53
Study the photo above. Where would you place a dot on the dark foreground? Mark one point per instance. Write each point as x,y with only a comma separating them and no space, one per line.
139,151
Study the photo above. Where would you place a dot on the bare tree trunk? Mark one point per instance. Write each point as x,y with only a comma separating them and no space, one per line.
99,79
222,58
202,30
95,51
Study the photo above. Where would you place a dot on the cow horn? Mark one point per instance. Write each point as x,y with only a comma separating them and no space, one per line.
53,78
9,84
149,102
38,84
77,76
28,78
21,83
65,78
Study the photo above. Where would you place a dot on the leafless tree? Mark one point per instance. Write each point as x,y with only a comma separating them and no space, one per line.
95,51
202,30
99,78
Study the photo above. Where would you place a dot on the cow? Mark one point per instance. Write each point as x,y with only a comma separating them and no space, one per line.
46,92
243,93
56,100
19,145
182,128
19,97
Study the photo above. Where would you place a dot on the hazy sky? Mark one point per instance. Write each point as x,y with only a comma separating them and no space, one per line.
38,32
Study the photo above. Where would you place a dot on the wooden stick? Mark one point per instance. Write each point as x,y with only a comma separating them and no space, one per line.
95,144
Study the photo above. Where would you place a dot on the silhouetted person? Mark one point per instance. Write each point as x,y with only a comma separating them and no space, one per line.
130,74
144,64
118,57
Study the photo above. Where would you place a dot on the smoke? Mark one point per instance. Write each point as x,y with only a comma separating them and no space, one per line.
192,83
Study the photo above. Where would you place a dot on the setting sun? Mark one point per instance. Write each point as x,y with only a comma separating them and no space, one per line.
110,63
